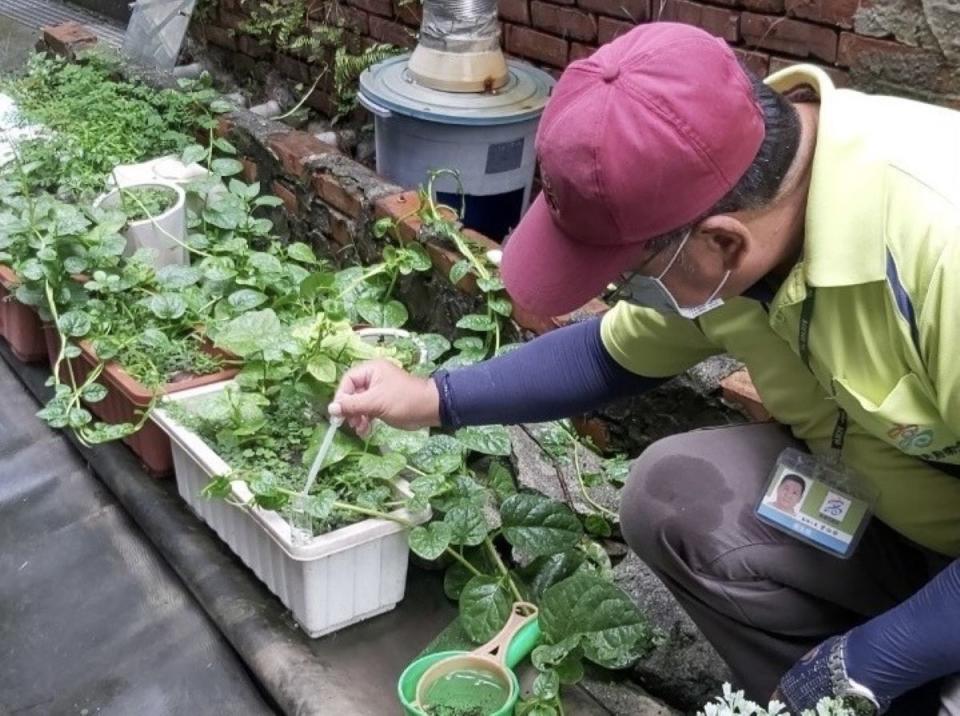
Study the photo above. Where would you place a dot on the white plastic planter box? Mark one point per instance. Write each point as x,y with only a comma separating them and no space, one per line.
160,234
328,582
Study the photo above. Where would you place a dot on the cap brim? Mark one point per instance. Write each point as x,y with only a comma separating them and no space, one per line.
549,274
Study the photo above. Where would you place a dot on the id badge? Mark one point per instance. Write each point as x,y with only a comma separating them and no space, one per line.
817,501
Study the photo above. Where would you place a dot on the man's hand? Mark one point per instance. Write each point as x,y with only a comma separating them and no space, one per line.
379,389
823,672
916,642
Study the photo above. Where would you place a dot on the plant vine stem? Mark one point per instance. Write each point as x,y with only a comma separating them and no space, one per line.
502,568
303,99
464,561
61,354
583,487
375,271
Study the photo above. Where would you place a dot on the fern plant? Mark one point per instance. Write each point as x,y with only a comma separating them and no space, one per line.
309,29
347,69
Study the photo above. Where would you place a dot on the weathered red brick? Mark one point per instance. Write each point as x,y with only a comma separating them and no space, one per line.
339,15
542,324
738,390
378,7
597,429
295,69
391,32
249,46
900,70
854,49
68,38
536,45
230,20
250,170
294,149
794,37
287,196
634,10
717,21
409,12
517,11
334,193
240,64
580,52
323,102
775,6
485,243
225,126
220,36
841,78
402,208
567,22
342,229
531,321
594,308
832,12
756,62
610,29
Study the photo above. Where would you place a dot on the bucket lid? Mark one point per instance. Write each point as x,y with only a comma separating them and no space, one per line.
390,85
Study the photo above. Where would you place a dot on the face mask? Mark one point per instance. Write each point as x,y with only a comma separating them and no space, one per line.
650,291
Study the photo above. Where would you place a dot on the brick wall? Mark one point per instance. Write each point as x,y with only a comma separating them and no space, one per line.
903,47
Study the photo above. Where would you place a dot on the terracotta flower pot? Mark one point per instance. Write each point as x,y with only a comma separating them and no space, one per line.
127,397
19,323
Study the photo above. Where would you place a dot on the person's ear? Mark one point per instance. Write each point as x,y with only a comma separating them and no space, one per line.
727,236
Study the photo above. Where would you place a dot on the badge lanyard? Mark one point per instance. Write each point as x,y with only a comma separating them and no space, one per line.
803,344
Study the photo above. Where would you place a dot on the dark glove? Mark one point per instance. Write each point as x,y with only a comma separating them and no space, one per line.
823,672
916,642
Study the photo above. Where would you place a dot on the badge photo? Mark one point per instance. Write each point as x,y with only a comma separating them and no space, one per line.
804,499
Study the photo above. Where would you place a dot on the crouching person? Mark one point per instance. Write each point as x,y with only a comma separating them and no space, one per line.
803,230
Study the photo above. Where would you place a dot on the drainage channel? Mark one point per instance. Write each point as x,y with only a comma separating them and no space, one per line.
37,13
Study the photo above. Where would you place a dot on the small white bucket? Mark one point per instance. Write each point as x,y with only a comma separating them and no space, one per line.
160,234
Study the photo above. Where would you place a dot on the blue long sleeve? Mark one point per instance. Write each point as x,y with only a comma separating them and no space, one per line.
916,642
562,373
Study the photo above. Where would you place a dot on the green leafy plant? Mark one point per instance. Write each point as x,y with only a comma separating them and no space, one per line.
440,222
141,203
94,121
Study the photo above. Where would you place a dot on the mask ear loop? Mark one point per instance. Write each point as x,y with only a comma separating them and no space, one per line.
723,283
676,254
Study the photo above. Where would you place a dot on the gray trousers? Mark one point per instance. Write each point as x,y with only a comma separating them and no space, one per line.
761,597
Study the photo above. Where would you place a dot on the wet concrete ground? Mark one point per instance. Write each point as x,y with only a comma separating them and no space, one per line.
16,43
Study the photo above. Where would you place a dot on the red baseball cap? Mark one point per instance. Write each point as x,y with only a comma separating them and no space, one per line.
638,139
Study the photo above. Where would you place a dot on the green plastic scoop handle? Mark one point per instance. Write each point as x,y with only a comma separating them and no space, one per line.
523,643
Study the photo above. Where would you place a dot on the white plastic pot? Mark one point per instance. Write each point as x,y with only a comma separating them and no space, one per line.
164,169
160,234
329,582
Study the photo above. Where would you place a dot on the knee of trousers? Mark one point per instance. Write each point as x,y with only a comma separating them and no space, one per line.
666,502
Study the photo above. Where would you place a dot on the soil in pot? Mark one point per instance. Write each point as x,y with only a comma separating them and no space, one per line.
146,202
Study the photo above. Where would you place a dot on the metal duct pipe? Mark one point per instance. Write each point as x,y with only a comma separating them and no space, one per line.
459,48
460,25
